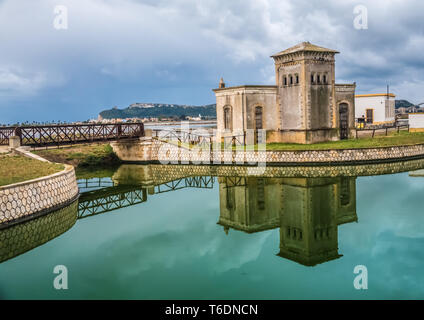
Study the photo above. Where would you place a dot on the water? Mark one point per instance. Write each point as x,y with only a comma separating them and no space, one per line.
223,238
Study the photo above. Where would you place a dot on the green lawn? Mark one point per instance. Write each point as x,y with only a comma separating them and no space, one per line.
394,139
85,155
15,169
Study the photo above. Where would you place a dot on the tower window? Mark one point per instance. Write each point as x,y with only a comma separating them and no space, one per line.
318,79
285,81
312,78
324,78
291,79
227,118
297,79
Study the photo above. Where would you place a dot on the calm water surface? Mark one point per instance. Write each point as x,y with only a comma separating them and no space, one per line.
223,238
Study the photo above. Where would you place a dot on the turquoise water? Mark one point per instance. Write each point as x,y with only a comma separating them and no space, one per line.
170,245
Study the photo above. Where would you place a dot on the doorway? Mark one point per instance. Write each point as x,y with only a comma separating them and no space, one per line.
344,123
370,115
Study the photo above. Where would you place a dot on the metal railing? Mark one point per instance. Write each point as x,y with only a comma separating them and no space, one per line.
385,130
184,136
47,135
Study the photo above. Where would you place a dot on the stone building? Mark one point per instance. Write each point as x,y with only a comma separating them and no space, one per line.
305,106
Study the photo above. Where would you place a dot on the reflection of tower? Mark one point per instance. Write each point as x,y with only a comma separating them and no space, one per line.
311,210
307,210
249,204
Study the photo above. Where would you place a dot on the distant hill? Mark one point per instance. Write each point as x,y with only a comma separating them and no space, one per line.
142,110
403,103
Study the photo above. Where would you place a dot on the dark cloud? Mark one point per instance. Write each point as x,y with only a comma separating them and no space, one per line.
175,51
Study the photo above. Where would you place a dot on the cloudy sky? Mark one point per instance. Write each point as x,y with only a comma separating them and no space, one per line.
115,53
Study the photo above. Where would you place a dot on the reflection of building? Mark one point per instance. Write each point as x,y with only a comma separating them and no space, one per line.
310,213
307,210
304,106
247,204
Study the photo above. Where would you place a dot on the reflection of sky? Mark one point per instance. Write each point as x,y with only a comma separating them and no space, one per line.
171,247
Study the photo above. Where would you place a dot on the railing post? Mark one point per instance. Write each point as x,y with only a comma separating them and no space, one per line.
119,130
18,133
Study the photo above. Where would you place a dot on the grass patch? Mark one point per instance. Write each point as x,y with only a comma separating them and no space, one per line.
87,155
402,138
15,169
393,139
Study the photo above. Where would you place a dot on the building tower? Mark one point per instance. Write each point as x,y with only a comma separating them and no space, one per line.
305,77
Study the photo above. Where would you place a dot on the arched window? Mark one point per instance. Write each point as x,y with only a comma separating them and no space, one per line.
227,118
312,78
318,78
285,81
297,79
324,79
291,79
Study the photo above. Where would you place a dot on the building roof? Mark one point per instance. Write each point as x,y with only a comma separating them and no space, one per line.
247,86
304,46
375,95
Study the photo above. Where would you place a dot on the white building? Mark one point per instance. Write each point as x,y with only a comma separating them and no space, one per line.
416,122
378,108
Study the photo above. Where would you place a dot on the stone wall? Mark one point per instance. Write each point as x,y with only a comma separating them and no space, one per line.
155,150
20,200
156,174
168,153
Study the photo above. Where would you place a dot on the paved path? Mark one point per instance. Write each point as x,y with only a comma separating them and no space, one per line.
4,149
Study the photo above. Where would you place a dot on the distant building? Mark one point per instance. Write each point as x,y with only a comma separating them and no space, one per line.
305,105
416,122
378,108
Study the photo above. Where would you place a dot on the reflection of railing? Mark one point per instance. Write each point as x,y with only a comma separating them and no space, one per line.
190,182
95,183
71,133
112,198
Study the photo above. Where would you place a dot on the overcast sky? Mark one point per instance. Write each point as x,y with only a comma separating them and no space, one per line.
115,53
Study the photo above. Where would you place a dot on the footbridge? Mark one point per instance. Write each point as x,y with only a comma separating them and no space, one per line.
66,134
